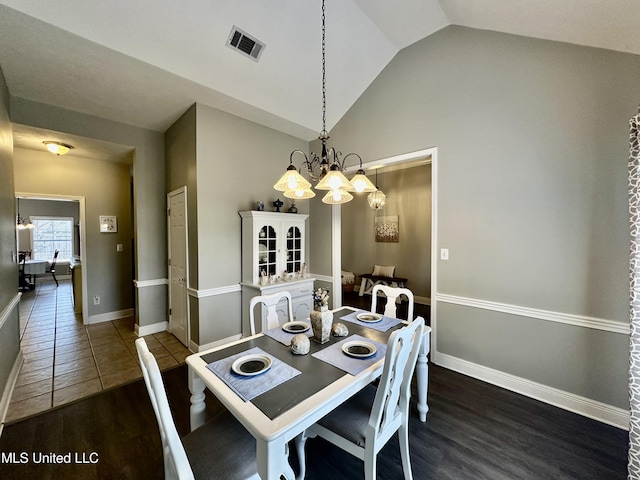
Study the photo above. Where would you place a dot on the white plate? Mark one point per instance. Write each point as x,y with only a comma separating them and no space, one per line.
251,365
296,327
369,317
359,349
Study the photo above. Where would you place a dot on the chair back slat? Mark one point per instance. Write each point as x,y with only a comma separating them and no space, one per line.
271,302
392,294
394,390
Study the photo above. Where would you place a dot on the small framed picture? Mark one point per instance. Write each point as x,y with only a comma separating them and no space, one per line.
108,224
386,229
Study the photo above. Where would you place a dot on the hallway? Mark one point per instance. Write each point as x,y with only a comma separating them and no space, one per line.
65,361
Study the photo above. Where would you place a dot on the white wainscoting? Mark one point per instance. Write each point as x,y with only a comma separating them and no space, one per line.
9,387
602,412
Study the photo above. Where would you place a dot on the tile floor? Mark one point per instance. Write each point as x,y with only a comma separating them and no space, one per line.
65,360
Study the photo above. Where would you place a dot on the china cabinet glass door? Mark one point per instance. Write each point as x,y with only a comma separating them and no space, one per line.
294,249
267,251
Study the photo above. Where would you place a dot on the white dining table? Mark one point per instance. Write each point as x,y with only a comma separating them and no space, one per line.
35,267
279,415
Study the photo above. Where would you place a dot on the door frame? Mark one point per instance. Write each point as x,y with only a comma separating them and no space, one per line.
336,226
178,191
83,238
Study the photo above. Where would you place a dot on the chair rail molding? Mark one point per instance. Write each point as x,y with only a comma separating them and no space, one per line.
10,307
212,292
612,326
151,283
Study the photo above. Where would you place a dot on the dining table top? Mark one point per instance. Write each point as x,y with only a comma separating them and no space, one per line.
285,410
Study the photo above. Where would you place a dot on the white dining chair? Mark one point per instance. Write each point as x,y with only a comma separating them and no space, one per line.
393,294
364,424
271,302
221,448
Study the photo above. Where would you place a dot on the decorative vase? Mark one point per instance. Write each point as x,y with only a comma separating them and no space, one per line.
321,321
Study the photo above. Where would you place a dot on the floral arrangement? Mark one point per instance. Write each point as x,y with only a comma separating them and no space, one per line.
321,297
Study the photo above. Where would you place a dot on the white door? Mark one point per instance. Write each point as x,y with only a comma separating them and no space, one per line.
178,268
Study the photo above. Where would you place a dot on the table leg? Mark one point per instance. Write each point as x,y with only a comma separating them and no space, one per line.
197,411
273,460
422,374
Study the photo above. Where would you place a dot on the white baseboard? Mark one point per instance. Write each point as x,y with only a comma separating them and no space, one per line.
602,412
151,329
194,347
422,300
107,317
8,389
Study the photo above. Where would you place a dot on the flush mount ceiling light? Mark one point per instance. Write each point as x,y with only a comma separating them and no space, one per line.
57,147
329,163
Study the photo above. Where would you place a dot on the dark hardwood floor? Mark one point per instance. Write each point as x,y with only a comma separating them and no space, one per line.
474,431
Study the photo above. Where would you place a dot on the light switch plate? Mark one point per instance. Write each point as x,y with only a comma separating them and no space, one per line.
444,254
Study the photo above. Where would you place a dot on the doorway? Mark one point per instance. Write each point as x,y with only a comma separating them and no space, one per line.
424,156
47,205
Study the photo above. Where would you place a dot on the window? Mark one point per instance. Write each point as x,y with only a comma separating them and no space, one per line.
51,234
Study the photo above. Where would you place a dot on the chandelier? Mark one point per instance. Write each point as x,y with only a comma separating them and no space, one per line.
21,223
327,168
376,199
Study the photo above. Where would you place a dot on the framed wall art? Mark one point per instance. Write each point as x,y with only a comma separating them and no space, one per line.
387,229
108,224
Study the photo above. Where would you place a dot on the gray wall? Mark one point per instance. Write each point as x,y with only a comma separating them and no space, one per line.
532,141
236,163
408,194
106,188
9,324
149,195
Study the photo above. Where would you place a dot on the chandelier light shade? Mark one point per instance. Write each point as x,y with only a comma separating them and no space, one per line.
334,180
57,147
291,180
336,197
327,168
300,194
361,183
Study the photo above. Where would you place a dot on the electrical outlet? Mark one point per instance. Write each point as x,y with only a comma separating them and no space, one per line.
96,300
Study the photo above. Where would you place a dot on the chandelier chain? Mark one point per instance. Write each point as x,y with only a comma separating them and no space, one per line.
324,79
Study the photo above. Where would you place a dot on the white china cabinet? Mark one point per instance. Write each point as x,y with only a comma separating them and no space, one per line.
273,260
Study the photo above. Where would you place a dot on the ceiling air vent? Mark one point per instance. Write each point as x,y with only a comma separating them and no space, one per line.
245,43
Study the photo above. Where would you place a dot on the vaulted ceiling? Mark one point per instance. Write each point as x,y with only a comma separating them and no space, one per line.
145,62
